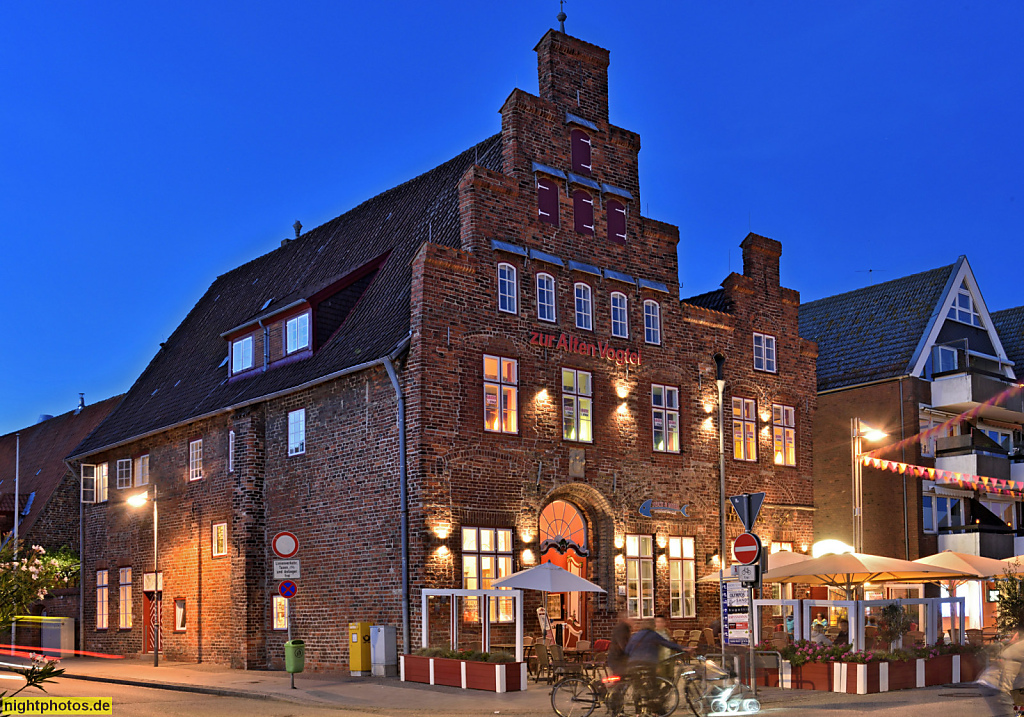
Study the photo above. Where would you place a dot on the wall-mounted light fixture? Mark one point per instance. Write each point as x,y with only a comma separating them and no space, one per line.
528,557
622,390
620,541
442,530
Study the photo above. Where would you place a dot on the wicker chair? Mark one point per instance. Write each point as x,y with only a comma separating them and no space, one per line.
914,638
560,667
709,638
544,669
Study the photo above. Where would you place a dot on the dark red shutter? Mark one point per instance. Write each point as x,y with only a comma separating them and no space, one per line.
580,143
583,211
547,201
616,221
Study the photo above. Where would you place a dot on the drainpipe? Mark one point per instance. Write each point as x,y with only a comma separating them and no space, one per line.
906,527
81,562
720,382
402,492
266,343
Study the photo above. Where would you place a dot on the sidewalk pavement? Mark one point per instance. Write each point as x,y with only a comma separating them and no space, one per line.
384,695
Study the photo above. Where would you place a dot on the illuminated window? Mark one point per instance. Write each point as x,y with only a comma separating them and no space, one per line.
101,600
652,322
620,315
508,290
640,575
195,459
501,401
577,406
220,539
545,297
297,432
231,451
584,307
744,429
142,470
241,354
784,434
124,599
297,333
279,606
88,483
486,556
682,577
179,615
101,483
124,473
764,352
665,417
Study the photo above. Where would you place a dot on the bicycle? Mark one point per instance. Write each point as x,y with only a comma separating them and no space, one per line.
710,691
642,693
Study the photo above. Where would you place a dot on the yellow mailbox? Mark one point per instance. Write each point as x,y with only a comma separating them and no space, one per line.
359,648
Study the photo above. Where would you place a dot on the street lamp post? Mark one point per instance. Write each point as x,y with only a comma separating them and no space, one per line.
137,501
720,382
858,432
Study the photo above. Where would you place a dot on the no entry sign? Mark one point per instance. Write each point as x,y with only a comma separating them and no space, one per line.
747,548
285,544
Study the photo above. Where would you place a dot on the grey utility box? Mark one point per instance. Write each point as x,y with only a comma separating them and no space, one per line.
58,634
384,651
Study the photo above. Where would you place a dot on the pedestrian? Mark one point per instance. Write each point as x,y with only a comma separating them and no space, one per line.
644,646
618,660
665,669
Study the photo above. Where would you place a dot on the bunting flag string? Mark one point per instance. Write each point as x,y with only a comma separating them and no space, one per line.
961,480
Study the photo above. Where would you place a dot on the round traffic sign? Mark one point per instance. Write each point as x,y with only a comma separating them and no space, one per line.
287,589
285,544
747,548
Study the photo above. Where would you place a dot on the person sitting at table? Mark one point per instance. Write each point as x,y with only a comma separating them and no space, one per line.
844,633
818,636
820,622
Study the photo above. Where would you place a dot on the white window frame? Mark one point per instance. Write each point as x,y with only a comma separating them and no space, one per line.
930,494
784,435
297,432
620,322
765,356
682,576
142,470
296,331
279,612
584,303
124,599
665,408
474,554
746,422
652,322
195,459
640,576
505,393
124,473
576,401
88,492
219,540
180,615
231,451
241,354
102,483
957,311
102,600
508,289
546,298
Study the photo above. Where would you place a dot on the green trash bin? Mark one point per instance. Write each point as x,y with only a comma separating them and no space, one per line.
294,656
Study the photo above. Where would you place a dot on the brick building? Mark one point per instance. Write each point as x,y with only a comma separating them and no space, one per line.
516,319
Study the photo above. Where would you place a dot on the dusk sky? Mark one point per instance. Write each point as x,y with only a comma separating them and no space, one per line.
149,147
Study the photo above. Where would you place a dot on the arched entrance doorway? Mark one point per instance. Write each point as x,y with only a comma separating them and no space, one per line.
563,541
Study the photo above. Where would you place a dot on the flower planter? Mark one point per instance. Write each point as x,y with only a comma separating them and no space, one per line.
813,676
872,677
467,674
902,675
938,670
970,667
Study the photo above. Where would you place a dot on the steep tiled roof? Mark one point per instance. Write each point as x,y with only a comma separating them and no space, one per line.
872,333
714,300
185,380
43,449
1009,325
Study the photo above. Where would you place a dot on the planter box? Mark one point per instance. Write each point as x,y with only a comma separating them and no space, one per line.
938,670
467,674
970,667
873,677
812,676
902,675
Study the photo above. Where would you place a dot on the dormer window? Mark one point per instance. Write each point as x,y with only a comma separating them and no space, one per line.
963,308
241,355
583,211
616,221
581,155
297,333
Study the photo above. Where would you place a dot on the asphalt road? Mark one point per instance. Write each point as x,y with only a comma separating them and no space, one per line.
146,702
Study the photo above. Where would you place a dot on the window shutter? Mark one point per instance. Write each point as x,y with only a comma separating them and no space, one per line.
88,484
616,221
547,201
583,212
580,145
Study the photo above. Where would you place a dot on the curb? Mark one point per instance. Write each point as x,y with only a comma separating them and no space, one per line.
178,687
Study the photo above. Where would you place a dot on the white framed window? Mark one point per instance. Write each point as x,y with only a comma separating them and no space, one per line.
279,607
219,535
124,473
195,459
297,333
640,575
665,417
241,355
142,470
486,556
508,289
501,394
963,308
124,599
682,577
940,511
546,297
231,451
577,406
764,352
1002,508
584,307
784,434
88,483
102,607
180,619
744,429
652,322
297,432
620,315
101,483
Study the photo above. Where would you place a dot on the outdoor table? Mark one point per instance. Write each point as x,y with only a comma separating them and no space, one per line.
572,653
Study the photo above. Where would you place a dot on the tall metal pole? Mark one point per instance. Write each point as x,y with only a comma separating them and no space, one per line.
17,487
157,601
856,490
720,381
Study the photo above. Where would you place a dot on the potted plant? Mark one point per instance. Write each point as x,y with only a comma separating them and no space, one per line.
893,624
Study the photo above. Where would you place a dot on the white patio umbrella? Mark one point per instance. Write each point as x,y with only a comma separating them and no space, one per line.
849,570
973,567
550,578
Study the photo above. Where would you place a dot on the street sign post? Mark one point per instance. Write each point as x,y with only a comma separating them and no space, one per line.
286,569
288,589
747,506
285,545
747,548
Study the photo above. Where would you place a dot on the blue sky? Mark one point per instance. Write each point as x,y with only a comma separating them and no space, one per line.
149,147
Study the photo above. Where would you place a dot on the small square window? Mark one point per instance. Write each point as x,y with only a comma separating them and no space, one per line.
124,473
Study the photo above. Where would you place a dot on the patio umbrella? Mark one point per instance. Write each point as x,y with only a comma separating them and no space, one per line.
550,578
973,567
775,560
849,570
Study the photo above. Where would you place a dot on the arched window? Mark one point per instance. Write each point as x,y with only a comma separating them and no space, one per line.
616,221
652,322
507,289
545,297
583,211
620,315
547,200
561,521
584,307
580,145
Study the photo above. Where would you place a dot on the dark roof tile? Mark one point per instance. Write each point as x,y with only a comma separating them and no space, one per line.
1009,325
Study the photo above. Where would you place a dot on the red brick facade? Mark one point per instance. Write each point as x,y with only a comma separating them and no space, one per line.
340,497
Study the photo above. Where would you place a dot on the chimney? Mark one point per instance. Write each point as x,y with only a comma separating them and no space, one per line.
761,258
43,417
81,403
573,74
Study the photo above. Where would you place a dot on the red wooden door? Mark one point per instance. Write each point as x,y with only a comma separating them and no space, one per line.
151,611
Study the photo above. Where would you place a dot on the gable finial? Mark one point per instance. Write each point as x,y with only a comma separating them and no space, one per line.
561,16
